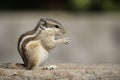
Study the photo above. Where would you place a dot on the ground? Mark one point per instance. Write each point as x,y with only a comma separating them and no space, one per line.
64,72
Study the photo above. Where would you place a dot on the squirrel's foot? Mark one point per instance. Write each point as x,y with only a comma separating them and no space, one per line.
51,67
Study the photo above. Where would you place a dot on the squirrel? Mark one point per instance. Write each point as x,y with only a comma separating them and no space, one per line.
34,45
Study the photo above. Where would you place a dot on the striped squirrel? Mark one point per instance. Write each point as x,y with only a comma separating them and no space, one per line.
34,45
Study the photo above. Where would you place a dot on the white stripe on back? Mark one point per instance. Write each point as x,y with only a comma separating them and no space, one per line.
26,37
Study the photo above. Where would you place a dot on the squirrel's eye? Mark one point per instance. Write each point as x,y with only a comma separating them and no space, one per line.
56,26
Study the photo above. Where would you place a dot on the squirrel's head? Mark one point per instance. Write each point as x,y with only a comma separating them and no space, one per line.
47,23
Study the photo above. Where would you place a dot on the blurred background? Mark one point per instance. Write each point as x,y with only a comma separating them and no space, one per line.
92,25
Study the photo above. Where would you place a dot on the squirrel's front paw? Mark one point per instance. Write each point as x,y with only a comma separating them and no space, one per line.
51,67
66,40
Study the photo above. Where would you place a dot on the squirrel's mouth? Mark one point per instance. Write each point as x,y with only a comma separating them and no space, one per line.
58,36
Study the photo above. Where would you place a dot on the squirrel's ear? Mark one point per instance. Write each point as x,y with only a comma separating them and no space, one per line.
42,23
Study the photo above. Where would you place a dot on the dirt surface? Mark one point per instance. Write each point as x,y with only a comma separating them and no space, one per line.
10,71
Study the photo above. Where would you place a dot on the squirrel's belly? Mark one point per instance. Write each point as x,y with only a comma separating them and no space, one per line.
43,55
35,52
